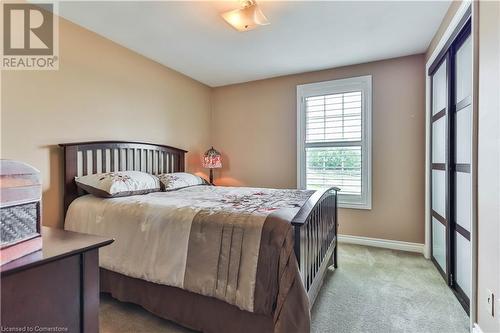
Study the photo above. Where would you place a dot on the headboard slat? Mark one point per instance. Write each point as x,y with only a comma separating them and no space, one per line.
139,159
133,159
94,161
120,159
172,160
84,161
165,161
111,160
103,160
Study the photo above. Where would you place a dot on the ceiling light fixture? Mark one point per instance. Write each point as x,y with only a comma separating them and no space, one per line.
246,18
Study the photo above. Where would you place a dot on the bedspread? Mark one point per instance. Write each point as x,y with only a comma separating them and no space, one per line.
234,244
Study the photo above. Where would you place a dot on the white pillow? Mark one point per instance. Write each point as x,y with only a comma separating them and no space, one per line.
177,180
118,184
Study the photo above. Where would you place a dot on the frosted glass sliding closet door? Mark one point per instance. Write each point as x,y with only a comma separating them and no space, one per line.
461,205
451,158
440,166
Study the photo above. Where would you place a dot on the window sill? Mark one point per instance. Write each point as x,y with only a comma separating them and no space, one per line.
349,205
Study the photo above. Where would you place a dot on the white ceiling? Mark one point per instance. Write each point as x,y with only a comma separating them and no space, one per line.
193,39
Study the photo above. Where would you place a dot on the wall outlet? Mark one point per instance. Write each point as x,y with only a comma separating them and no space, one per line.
491,302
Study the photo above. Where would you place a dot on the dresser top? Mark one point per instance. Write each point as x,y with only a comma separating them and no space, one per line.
57,244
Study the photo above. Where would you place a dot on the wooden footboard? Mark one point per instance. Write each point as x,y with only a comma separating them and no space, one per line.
316,239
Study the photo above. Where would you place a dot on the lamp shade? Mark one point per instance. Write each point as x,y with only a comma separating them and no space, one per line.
212,159
246,18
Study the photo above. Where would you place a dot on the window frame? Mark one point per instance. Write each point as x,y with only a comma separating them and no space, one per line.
360,83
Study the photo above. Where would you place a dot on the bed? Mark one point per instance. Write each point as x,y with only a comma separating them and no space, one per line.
214,259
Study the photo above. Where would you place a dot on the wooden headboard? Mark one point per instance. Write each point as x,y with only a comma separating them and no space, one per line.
86,158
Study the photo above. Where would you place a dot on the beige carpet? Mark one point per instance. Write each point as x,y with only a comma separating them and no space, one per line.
373,290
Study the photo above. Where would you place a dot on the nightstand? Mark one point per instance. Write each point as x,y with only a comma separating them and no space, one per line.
55,288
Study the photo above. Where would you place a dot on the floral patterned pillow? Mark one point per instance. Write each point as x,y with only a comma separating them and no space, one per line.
177,180
118,184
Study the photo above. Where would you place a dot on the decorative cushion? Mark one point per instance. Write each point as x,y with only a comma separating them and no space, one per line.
118,184
177,180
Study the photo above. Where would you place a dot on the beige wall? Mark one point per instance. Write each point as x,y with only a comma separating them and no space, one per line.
104,91
489,164
452,10
254,126
101,91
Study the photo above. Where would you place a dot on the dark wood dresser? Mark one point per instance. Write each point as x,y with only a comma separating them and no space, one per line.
55,289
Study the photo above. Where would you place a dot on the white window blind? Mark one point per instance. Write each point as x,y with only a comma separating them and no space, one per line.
334,138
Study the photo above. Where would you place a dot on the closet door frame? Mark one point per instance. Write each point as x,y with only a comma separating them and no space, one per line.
465,32
447,54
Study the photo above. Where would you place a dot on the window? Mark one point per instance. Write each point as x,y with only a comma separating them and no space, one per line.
334,138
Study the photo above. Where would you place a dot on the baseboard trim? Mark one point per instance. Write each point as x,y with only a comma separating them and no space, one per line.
476,328
383,243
